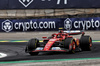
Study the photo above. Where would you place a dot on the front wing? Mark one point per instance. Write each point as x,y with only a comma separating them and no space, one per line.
53,49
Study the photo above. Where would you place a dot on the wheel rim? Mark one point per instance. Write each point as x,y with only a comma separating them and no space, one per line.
70,47
74,45
90,42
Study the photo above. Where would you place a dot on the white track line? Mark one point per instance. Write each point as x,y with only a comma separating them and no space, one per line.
2,55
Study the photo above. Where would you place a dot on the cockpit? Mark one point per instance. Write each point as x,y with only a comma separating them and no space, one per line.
57,35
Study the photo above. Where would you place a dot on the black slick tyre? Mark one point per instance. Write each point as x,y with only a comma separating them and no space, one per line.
69,44
86,43
31,46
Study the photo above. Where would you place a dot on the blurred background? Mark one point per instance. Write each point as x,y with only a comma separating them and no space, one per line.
15,14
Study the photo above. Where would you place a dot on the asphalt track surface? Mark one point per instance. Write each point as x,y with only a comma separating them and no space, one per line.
16,52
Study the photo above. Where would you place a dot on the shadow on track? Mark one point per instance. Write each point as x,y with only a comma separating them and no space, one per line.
16,52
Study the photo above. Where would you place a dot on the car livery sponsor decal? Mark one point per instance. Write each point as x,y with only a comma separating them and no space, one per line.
55,48
39,48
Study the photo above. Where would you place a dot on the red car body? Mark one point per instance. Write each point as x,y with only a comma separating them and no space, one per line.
58,42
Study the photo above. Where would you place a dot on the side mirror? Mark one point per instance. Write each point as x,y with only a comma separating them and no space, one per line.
44,37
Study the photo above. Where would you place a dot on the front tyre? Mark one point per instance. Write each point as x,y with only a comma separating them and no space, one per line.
31,46
69,44
86,43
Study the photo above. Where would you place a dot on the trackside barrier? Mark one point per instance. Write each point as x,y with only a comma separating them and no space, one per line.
48,4
24,25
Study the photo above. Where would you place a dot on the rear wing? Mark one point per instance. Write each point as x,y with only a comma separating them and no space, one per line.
74,32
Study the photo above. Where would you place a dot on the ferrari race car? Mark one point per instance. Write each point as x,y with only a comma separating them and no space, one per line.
60,42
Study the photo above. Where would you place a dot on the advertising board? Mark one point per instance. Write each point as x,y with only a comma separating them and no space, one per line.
48,4
26,25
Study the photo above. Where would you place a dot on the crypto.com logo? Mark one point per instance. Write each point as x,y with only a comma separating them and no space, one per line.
26,3
7,25
67,24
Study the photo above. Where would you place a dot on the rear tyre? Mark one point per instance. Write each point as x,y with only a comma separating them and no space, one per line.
86,43
31,46
69,44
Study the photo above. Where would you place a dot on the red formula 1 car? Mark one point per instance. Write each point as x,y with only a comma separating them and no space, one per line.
60,42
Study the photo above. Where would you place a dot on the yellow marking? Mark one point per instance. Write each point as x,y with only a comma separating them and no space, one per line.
49,42
40,41
96,41
19,41
60,28
35,44
4,41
